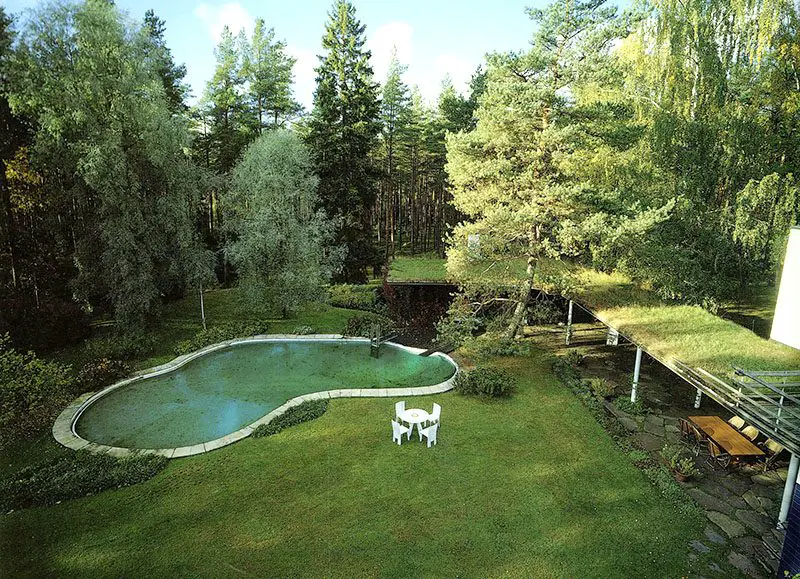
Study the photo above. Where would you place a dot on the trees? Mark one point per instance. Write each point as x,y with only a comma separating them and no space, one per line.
268,69
341,136
517,175
276,234
110,151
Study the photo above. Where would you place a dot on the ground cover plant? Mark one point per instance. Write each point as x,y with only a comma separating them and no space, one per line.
308,410
334,497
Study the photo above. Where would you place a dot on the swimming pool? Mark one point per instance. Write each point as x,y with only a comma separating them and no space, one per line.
218,394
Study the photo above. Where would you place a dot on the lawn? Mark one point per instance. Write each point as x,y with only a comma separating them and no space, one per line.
528,487
669,330
418,268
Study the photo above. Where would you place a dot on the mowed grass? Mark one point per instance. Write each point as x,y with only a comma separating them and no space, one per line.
525,487
668,330
418,268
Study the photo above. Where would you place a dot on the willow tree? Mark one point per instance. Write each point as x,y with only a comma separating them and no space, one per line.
276,235
512,175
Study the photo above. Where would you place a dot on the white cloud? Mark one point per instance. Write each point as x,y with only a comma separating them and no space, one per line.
305,79
394,35
233,15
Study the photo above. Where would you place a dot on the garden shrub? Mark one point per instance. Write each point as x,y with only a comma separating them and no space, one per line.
32,391
601,387
303,330
77,474
485,381
98,374
544,312
303,412
489,345
356,297
636,408
221,333
120,346
363,326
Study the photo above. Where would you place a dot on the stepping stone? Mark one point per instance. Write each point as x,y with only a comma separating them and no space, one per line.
754,520
730,527
735,484
713,536
669,429
629,423
699,547
772,543
757,503
670,421
725,494
743,564
748,544
714,567
709,502
767,478
648,441
654,425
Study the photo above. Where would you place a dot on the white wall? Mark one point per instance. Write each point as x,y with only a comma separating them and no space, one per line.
786,325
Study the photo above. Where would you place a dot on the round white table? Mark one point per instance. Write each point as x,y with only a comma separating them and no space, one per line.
414,416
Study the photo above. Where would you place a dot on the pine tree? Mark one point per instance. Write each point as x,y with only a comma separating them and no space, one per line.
342,134
171,74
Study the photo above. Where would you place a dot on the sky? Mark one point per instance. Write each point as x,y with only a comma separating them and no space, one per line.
433,38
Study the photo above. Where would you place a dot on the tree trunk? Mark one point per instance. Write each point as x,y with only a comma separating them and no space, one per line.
519,312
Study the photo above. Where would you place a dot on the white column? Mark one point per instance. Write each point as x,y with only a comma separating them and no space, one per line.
788,490
636,368
698,398
569,322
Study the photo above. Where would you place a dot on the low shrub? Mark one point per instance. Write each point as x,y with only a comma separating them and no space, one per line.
485,381
601,387
574,358
489,345
77,474
100,373
567,373
221,333
544,312
364,326
663,480
32,391
636,408
303,330
120,347
303,412
356,297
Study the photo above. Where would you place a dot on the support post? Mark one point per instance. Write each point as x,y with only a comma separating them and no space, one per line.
636,369
788,490
698,398
569,322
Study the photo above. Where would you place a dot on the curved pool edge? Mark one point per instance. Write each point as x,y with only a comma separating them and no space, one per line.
64,426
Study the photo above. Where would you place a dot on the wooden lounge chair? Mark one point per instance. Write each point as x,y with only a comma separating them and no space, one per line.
717,456
737,422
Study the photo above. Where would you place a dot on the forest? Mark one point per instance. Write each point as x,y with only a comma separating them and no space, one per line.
661,141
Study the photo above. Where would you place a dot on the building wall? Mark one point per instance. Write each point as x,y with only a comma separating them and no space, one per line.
786,324
790,556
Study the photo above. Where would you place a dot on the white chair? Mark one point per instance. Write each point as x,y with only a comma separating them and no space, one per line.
398,430
429,433
399,408
435,416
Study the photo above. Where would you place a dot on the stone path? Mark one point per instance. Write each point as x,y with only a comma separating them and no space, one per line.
741,504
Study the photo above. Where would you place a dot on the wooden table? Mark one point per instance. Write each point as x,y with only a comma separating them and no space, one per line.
726,436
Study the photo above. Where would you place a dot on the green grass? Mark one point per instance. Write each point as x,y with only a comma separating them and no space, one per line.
525,487
666,329
686,333
427,268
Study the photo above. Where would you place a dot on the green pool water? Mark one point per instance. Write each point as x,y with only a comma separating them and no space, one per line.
225,390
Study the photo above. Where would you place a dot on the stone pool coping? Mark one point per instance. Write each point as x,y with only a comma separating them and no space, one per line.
64,427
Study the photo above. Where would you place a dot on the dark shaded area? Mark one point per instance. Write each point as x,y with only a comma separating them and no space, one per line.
416,309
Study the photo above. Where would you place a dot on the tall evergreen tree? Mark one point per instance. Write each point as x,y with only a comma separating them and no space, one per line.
268,70
171,74
342,134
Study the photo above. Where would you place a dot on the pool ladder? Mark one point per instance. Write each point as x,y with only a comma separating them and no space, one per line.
375,343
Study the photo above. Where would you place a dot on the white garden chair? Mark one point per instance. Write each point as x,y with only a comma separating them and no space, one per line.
399,408
429,433
436,415
398,430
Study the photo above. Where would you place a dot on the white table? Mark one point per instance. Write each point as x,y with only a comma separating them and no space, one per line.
414,416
